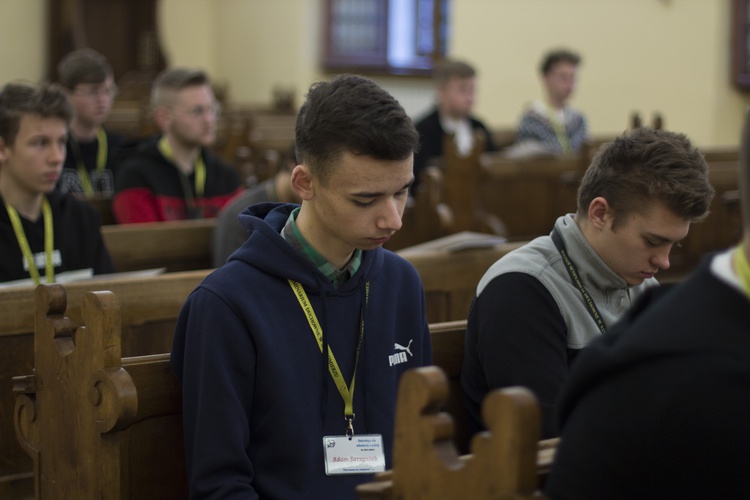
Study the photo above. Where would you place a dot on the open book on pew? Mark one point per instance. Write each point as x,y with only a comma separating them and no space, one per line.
464,240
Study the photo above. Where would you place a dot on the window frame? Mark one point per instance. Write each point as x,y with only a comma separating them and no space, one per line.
376,63
741,44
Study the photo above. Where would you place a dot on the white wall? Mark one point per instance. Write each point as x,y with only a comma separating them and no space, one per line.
23,40
670,56
187,32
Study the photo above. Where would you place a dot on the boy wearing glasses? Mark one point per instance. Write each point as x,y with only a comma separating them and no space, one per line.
92,151
174,176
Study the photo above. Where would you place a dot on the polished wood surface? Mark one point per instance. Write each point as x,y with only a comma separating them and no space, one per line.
175,245
148,311
508,461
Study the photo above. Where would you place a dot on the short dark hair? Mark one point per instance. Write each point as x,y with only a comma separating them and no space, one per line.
83,66
644,165
452,68
557,56
174,80
351,114
19,98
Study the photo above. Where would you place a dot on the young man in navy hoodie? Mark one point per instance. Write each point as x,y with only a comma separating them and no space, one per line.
290,353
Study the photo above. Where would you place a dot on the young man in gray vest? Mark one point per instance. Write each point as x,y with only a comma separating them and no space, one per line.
538,306
658,408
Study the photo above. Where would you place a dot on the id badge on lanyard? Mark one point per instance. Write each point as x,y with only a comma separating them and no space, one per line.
349,453
360,454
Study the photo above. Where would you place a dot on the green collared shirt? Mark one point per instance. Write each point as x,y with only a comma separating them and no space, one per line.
338,277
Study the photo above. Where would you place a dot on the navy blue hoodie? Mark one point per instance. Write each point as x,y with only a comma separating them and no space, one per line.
257,394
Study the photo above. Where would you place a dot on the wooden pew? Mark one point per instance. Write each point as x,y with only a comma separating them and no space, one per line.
270,136
69,413
515,197
175,245
508,461
721,154
150,306
463,178
450,269
118,416
426,216
529,194
448,354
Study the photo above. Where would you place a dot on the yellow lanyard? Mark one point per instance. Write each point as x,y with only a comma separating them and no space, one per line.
743,268
101,160
49,242
347,393
200,166
562,135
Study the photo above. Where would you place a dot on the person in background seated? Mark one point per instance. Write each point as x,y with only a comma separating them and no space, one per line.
551,126
175,176
539,305
290,354
44,234
658,407
229,234
92,152
455,89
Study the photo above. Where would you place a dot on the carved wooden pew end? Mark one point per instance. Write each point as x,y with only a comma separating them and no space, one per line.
508,460
70,413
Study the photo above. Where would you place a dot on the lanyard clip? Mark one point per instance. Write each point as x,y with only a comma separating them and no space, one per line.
350,426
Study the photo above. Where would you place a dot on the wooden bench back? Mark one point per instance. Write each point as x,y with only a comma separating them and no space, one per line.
175,245
529,194
450,269
464,179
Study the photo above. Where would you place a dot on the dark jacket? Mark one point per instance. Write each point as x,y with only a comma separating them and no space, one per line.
77,236
659,406
150,188
258,398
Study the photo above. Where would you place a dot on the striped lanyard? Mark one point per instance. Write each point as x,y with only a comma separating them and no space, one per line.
49,242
